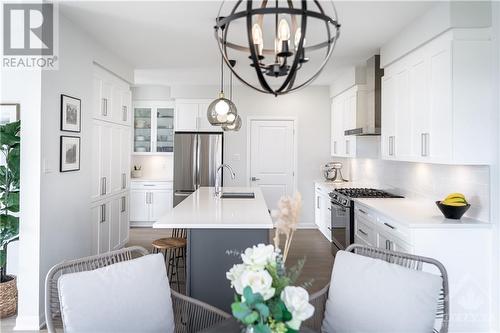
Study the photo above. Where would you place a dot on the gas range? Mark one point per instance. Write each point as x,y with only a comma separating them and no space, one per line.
343,196
342,213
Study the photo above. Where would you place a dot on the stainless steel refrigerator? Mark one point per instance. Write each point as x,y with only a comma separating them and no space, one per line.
196,158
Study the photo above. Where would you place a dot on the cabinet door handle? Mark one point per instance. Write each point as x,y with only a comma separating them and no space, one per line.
103,213
317,202
149,185
422,144
103,186
124,110
388,225
425,144
123,204
387,244
124,181
361,211
104,106
335,147
391,145
363,232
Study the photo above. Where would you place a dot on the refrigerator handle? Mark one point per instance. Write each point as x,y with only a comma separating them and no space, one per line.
195,161
198,157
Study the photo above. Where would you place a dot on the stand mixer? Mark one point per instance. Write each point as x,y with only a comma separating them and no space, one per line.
332,171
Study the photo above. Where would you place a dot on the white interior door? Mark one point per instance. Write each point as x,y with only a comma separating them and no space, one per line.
272,158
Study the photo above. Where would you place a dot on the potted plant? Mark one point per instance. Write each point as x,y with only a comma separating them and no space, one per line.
9,207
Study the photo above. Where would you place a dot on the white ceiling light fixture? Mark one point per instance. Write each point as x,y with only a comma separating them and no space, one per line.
222,111
279,68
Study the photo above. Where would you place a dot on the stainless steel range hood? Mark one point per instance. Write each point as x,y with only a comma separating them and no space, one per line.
368,118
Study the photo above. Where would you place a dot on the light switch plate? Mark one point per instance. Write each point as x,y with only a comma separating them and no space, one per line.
47,167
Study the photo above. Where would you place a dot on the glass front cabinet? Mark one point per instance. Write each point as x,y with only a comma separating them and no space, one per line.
153,128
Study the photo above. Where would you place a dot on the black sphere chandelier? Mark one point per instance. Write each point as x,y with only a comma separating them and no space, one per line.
278,63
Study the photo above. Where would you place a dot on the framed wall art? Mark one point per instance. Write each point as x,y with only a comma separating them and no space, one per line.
70,153
9,113
70,114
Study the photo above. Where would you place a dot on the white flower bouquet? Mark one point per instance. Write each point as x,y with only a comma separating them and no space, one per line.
265,301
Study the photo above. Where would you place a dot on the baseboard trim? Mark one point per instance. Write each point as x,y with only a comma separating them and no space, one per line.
29,323
307,226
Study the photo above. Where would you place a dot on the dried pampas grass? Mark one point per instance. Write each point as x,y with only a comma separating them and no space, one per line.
286,219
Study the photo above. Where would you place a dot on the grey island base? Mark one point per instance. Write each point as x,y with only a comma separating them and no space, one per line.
208,262
216,226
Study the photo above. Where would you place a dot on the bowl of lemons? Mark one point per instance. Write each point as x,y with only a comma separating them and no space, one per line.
453,206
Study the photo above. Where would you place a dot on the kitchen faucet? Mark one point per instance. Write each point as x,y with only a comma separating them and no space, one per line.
218,179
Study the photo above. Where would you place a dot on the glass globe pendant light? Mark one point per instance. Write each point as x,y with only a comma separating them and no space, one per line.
236,125
222,111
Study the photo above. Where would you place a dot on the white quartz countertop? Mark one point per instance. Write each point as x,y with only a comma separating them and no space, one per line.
201,210
416,213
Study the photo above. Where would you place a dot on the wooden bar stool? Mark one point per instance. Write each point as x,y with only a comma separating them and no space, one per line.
174,250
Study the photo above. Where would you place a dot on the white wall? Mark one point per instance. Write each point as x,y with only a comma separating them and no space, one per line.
158,167
311,106
24,87
61,228
150,93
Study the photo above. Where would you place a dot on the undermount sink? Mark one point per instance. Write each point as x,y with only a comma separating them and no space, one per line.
238,195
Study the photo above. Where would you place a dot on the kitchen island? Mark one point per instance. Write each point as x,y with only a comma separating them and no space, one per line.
216,225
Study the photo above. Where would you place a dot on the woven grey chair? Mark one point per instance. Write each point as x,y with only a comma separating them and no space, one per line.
190,315
318,299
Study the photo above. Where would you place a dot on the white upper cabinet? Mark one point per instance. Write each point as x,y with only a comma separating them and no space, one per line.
111,98
153,127
191,116
436,104
344,112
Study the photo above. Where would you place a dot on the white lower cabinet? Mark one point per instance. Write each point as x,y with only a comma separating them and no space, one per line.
322,212
149,201
110,224
373,230
464,248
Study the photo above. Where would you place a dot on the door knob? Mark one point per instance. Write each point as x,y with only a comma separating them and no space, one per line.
254,179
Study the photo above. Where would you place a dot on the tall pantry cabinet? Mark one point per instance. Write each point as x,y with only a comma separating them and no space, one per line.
111,151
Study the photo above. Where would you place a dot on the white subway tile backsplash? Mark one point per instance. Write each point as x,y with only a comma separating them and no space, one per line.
429,182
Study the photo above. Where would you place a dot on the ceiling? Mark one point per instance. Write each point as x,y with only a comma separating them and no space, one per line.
172,42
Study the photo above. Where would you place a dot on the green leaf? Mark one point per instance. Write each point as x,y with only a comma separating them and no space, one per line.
262,328
263,310
13,162
11,201
240,310
251,318
286,315
276,308
11,128
250,297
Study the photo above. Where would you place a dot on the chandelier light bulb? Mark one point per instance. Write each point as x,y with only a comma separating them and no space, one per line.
257,34
283,30
230,118
298,34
